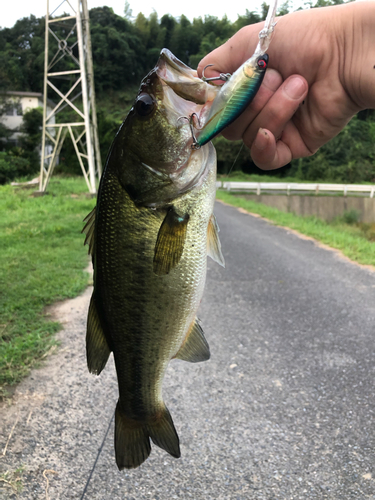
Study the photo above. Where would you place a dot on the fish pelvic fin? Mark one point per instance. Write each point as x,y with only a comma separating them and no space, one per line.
97,349
170,242
132,437
89,230
213,242
195,347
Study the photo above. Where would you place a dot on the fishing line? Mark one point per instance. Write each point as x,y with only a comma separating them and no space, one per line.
97,456
238,154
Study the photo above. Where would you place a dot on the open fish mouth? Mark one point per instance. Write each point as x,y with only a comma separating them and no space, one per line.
189,94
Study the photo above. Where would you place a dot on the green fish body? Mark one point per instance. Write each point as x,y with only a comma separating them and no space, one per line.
149,237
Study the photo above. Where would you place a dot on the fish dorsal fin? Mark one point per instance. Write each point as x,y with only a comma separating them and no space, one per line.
213,242
195,347
89,230
170,242
97,350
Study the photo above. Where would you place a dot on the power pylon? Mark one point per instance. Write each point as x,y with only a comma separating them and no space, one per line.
69,81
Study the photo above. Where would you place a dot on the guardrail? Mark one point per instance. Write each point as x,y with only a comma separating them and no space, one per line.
294,186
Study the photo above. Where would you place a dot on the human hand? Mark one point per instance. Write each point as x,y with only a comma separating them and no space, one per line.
319,76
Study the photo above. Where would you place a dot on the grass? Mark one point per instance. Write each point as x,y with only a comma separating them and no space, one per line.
353,240
42,261
12,480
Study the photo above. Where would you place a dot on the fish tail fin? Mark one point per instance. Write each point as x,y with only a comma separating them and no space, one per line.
163,432
132,438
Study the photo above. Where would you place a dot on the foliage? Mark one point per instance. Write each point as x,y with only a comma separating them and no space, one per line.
347,158
23,159
30,138
12,167
42,261
124,51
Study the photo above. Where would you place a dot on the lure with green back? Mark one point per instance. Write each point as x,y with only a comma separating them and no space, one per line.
233,97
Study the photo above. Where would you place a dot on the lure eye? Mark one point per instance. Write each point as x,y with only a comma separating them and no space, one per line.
262,64
144,104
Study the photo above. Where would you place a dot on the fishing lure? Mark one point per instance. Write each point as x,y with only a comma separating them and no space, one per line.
238,90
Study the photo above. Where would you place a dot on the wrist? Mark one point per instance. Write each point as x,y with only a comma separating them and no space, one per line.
357,52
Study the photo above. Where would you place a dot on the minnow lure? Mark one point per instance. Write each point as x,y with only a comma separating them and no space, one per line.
239,89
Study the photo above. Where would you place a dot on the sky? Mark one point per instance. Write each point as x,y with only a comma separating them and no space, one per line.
17,9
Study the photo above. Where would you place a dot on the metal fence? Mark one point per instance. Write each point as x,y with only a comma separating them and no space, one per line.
294,187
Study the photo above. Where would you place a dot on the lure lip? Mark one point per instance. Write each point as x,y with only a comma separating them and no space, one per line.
265,34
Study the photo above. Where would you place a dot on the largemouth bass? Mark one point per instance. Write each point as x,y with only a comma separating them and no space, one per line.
149,237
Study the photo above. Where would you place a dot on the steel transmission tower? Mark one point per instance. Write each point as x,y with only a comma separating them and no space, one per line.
69,83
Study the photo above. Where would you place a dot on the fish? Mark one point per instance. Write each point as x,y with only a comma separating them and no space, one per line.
149,236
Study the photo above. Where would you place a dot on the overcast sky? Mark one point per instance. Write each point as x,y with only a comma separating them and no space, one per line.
16,9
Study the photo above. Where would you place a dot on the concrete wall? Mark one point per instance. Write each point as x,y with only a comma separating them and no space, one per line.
324,207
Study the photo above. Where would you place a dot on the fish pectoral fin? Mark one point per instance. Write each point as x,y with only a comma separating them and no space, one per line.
195,347
132,437
89,230
170,242
97,350
213,242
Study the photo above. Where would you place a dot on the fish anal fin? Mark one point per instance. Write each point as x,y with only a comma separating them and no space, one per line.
195,347
213,242
89,230
97,350
170,242
132,437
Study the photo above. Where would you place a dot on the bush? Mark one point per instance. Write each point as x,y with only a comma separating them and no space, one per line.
12,167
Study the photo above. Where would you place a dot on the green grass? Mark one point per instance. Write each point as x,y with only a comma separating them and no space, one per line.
354,240
42,261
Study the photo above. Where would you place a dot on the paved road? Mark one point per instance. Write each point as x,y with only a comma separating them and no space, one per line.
285,408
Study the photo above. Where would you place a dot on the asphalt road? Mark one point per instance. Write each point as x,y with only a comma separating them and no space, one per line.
285,408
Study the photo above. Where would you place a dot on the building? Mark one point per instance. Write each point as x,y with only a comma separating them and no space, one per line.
16,104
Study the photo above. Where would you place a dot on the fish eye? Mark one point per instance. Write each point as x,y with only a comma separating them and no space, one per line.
144,104
262,63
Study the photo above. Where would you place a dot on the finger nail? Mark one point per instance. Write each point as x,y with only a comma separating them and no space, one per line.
261,140
295,88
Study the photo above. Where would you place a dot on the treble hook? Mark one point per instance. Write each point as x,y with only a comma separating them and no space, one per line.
223,76
195,144
190,119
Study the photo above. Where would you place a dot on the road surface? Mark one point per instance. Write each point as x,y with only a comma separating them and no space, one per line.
284,409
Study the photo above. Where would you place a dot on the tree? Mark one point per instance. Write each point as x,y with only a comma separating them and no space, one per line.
128,13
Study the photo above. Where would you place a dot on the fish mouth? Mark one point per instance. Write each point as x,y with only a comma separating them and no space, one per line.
187,92
184,95
178,93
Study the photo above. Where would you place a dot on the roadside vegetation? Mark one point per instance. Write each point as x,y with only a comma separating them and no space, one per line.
355,240
42,261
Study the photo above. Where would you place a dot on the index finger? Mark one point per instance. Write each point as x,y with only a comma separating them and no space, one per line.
229,56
